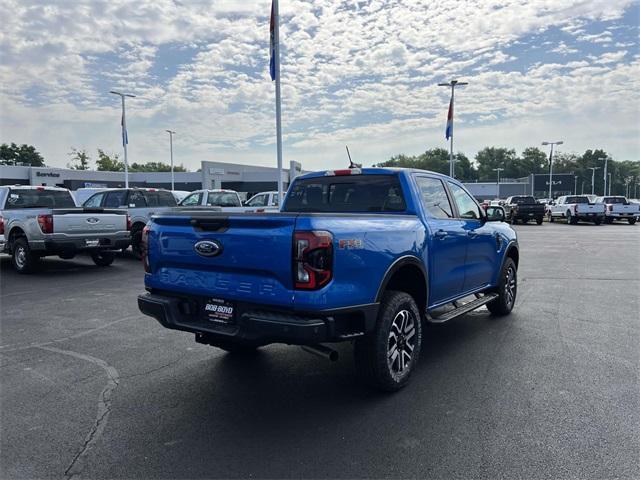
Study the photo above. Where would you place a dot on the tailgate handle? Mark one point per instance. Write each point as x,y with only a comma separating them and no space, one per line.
210,224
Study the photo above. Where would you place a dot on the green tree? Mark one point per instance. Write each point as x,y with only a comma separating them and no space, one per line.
435,160
533,160
108,163
79,159
490,158
156,167
23,154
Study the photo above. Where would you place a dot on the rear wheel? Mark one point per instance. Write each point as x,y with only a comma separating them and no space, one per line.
539,220
571,220
632,220
24,261
136,241
608,220
103,259
551,219
514,220
507,290
386,357
597,221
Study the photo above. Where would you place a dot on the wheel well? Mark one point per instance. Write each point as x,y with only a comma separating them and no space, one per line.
16,232
410,279
137,226
514,255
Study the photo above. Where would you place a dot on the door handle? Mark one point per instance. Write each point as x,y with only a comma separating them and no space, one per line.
472,234
440,234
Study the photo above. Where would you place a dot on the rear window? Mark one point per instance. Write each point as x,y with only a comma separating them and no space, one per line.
576,200
523,200
349,193
618,200
19,198
223,199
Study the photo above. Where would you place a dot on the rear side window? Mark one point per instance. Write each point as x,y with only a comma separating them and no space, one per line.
159,199
343,194
20,198
434,197
136,199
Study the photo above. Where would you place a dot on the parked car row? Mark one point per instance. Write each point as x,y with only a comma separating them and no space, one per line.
570,208
36,222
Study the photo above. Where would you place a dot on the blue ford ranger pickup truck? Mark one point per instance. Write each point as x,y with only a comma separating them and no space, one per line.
364,255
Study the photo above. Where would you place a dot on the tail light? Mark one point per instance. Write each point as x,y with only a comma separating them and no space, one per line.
575,209
144,249
611,208
312,259
46,223
1,226
128,222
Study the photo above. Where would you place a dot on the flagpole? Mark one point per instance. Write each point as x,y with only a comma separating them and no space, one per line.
452,84
125,136
276,41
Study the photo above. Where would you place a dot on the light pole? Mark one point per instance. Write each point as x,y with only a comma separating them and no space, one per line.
551,164
575,184
604,192
449,131
125,137
171,134
609,184
593,177
498,181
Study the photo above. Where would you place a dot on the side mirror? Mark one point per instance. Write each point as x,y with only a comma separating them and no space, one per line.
495,214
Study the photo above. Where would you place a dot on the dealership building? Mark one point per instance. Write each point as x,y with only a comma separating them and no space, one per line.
250,179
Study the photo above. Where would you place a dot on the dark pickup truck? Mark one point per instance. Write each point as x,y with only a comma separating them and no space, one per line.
525,208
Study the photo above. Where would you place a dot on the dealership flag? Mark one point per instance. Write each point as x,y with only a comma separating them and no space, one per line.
449,130
272,45
125,137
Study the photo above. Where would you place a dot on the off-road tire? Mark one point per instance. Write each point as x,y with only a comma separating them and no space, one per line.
507,290
386,357
103,259
24,261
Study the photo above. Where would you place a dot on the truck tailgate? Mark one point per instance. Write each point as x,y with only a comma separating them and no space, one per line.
81,221
252,262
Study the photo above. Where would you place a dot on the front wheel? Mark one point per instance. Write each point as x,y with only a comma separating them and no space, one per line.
507,290
103,259
24,261
386,357
539,220
597,221
632,220
551,219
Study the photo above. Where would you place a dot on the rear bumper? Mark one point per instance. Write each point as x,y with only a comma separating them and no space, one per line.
53,245
259,323
621,214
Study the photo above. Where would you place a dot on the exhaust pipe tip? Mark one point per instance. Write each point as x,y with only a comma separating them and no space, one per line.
322,351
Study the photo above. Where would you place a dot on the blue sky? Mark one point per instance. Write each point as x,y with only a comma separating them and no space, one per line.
362,73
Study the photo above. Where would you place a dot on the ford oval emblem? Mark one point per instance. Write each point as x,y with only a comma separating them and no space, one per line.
208,248
93,220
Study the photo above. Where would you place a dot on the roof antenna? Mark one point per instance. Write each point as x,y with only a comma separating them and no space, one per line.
351,164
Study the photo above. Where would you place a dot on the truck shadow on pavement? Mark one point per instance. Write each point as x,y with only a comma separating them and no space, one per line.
53,266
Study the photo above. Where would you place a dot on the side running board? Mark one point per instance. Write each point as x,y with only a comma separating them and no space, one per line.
463,309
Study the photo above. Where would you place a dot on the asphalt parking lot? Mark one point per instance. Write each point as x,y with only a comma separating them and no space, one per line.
90,388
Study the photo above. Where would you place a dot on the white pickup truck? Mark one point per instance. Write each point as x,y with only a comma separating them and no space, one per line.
619,208
37,222
574,208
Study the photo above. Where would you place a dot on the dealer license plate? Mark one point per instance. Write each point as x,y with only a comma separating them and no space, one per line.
219,311
92,242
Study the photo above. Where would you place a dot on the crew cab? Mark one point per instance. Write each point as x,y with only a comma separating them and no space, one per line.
363,255
139,203
525,208
574,208
227,200
619,208
37,222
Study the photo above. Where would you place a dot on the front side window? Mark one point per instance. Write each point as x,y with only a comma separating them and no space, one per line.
136,199
192,200
258,201
223,199
434,197
95,201
166,199
467,206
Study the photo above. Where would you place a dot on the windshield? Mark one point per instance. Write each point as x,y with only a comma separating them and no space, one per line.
349,193
36,198
223,199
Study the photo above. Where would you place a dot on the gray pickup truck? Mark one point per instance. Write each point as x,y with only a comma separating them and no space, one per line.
37,222
139,203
